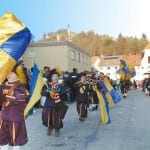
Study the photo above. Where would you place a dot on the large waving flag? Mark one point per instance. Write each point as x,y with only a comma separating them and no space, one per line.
126,71
132,71
14,39
37,84
111,95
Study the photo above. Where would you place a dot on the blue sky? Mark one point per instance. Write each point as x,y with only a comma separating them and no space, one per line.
129,17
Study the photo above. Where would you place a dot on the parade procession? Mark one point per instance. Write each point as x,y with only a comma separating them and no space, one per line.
62,99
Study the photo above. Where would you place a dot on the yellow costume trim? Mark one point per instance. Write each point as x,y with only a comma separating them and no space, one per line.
82,89
13,133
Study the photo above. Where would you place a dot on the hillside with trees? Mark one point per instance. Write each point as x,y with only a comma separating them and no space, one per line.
101,44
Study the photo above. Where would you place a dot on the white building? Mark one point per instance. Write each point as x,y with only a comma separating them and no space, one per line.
110,64
145,62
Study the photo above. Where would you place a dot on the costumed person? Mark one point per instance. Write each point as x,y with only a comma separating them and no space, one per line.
12,126
46,71
82,96
54,109
123,87
103,101
93,99
73,79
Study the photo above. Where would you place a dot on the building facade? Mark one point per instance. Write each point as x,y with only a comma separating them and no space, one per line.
109,65
63,54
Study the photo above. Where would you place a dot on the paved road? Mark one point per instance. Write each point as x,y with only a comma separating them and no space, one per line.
129,128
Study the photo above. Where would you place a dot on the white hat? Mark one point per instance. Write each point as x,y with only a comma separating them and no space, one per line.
12,77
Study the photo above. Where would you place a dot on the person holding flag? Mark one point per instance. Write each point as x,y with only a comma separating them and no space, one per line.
14,39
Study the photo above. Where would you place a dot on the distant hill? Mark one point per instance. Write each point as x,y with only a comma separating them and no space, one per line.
100,44
62,34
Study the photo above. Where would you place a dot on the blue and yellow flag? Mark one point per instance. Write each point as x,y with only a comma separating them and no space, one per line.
126,71
36,86
123,67
111,95
105,118
14,39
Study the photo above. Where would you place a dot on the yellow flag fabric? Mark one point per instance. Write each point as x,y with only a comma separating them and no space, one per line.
21,75
14,39
104,108
7,63
37,85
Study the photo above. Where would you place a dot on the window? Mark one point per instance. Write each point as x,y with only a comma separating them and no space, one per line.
83,59
78,57
149,59
31,53
108,68
87,60
72,54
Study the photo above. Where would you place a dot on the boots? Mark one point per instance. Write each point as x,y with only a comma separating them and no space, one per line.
57,133
49,131
81,118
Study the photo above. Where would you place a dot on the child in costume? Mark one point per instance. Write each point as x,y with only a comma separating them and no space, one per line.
82,97
54,109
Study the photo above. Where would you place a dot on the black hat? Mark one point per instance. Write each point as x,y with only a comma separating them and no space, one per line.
81,75
51,73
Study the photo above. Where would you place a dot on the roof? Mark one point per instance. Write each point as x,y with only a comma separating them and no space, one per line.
109,60
59,43
133,60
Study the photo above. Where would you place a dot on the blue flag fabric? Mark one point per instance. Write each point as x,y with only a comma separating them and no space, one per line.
36,86
34,78
14,39
16,45
124,67
112,95
126,71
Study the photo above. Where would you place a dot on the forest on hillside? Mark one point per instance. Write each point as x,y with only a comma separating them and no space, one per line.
101,44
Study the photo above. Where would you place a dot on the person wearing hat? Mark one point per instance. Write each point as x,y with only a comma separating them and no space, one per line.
12,126
54,109
82,96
